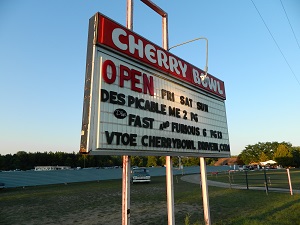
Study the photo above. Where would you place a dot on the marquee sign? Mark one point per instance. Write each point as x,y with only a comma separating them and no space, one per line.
142,100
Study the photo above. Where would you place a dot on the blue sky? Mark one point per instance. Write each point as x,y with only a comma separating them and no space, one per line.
43,51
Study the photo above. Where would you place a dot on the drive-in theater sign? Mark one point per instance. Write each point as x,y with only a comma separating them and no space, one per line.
140,99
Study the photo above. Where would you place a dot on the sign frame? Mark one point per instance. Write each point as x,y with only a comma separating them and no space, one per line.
101,41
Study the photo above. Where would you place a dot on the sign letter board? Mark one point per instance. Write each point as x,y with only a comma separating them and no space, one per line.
140,99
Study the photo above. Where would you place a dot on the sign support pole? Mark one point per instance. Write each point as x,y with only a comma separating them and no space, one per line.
126,191
126,158
205,198
169,164
170,190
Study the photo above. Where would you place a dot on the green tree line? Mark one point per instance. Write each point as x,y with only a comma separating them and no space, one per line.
283,153
27,161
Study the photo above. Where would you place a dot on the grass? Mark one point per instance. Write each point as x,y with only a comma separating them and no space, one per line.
100,203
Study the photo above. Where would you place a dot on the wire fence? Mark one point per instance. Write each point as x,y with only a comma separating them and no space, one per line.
274,179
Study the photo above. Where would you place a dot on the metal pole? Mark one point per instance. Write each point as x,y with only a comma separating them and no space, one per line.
169,164
290,183
129,15
165,31
84,160
196,39
170,190
202,162
126,191
126,159
205,198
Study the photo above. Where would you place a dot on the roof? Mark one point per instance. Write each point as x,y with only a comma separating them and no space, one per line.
226,161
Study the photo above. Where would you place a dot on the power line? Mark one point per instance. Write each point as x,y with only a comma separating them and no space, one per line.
276,43
290,25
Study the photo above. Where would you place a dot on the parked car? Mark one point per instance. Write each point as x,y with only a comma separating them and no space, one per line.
140,175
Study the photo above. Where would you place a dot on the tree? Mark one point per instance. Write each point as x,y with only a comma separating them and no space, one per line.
252,153
69,161
162,160
209,161
190,161
283,156
296,156
137,161
152,161
263,157
22,159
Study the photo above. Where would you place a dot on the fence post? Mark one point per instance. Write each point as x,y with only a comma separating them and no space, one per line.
290,182
266,186
246,173
229,176
266,181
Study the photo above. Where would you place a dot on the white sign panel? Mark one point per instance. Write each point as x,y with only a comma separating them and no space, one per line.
135,107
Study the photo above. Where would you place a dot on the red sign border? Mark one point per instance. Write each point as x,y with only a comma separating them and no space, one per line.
104,37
